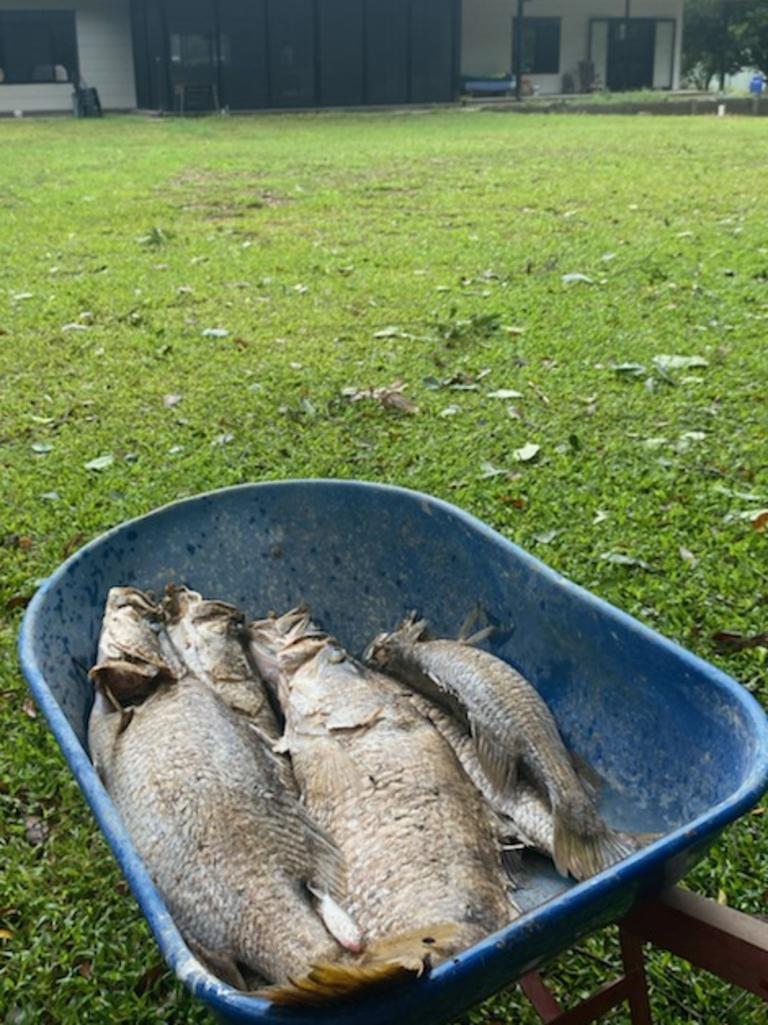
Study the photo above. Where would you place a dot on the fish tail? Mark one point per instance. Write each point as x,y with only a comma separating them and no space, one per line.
387,962
330,982
582,849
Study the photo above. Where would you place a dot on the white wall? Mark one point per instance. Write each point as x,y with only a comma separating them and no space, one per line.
105,53
487,32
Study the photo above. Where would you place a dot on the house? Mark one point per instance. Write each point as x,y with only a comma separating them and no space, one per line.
255,54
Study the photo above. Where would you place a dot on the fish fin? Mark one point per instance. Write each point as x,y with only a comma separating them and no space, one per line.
413,628
336,981
499,763
416,948
129,681
329,868
466,636
589,777
339,923
583,852
221,964
478,637
333,768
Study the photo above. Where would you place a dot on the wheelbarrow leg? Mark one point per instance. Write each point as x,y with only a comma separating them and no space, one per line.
634,973
631,986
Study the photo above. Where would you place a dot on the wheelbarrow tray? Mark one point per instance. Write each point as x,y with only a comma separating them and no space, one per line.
681,747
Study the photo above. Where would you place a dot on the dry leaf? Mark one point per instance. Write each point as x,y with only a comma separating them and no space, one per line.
391,397
100,463
759,520
29,709
618,559
687,556
169,401
727,641
528,452
35,830
569,279
149,978
666,362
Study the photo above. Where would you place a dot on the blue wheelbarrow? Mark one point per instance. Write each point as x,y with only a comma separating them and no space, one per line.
682,748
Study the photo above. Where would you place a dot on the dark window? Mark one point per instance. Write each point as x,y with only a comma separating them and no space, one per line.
37,46
541,46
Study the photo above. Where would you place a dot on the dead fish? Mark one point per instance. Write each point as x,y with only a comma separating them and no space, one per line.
246,874
422,858
512,729
135,654
209,637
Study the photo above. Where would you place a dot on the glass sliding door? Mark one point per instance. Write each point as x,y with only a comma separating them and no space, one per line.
243,74
193,50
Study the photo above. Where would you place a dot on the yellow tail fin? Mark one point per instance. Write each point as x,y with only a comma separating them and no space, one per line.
328,983
386,963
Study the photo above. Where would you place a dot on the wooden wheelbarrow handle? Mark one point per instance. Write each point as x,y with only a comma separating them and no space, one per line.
732,945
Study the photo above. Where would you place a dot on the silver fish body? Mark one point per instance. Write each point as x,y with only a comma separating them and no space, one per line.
418,842
232,853
514,735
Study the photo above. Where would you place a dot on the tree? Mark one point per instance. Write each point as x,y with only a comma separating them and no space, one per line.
752,32
714,39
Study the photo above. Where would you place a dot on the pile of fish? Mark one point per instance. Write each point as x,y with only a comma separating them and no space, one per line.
320,825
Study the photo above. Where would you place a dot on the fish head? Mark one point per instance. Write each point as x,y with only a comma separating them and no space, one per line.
273,643
180,601
384,650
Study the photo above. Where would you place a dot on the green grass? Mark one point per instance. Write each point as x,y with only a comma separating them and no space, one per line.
304,237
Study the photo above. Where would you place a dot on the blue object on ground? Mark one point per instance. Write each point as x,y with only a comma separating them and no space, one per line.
488,86
683,749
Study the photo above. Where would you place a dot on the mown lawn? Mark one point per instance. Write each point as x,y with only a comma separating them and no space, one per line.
353,252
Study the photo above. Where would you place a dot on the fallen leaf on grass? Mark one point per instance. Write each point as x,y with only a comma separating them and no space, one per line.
100,463
169,401
505,393
41,448
450,411
673,362
149,979
618,559
687,556
85,968
528,452
35,830
74,542
730,641
391,331
600,516
29,709
759,520
632,369
215,332
568,279
546,537
391,397
223,439
488,470
18,601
